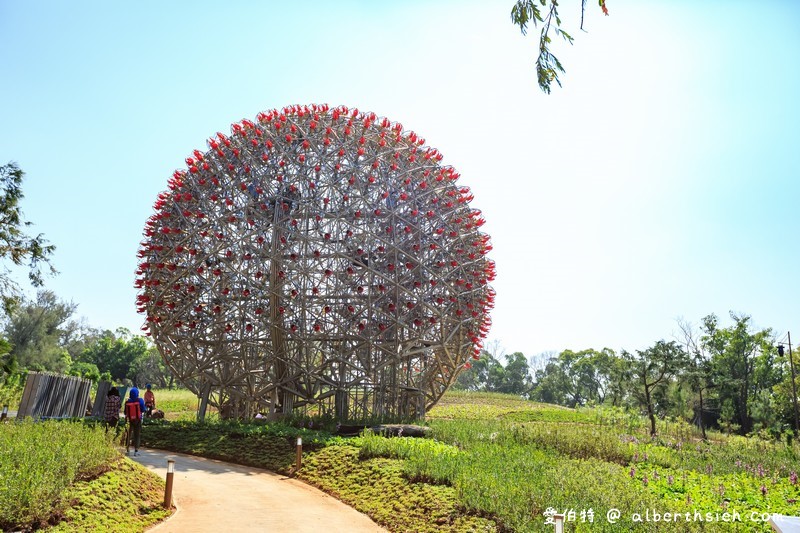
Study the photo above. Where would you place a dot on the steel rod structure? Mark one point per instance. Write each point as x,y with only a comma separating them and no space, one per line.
316,258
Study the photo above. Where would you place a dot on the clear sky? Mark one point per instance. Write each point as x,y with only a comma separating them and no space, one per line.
660,182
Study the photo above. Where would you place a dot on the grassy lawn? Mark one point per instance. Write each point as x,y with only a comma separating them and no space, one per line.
494,463
70,476
498,463
127,498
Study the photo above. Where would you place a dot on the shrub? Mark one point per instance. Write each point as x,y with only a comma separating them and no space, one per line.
41,459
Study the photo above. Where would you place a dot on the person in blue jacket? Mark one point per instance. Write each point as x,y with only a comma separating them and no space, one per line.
134,413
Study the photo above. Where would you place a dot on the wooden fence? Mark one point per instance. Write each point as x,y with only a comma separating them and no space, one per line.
54,396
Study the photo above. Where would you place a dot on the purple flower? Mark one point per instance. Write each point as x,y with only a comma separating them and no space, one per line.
793,477
632,473
644,480
763,490
670,480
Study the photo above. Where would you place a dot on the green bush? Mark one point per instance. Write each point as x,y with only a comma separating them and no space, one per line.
11,387
40,460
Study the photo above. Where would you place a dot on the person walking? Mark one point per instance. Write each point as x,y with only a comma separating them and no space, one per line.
111,412
134,413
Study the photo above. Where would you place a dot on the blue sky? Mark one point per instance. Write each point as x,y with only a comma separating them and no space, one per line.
659,183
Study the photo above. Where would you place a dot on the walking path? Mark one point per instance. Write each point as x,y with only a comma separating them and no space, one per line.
215,496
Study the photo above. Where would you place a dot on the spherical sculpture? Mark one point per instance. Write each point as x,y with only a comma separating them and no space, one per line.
319,258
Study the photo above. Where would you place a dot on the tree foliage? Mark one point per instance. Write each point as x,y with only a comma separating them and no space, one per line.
35,328
729,376
742,364
651,373
16,245
489,375
577,378
546,14
40,335
117,353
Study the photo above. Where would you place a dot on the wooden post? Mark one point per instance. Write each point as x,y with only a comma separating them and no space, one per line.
100,398
201,414
299,460
168,488
28,395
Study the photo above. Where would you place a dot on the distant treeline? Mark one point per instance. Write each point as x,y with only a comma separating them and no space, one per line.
734,378
42,335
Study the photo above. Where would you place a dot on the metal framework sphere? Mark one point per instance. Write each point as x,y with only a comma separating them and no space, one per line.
319,257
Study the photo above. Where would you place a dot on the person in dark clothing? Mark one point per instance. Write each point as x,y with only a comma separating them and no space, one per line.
134,413
111,413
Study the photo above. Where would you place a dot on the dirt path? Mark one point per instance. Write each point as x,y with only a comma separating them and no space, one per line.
215,496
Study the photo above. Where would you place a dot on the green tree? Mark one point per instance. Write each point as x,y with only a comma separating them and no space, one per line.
698,374
149,367
85,370
11,378
514,377
8,364
576,378
551,384
117,353
476,376
34,330
15,244
545,12
489,375
619,381
652,371
742,363
76,336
